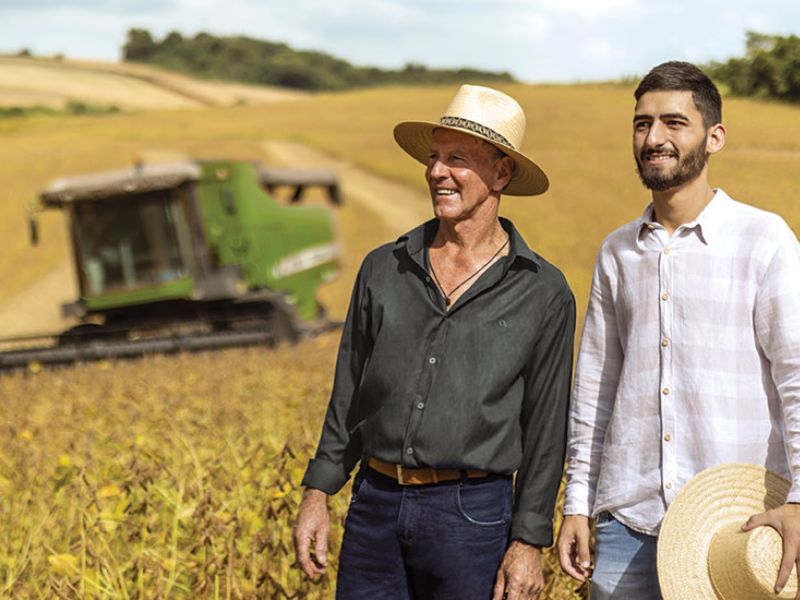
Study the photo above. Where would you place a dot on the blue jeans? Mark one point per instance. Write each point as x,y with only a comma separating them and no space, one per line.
625,562
442,541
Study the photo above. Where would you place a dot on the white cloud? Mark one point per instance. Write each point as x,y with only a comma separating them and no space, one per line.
600,50
536,40
91,35
531,23
195,4
757,22
590,9
95,6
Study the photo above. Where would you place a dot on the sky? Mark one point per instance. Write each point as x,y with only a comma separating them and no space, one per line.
535,40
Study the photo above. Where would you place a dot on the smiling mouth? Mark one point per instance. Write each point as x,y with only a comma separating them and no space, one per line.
655,157
444,192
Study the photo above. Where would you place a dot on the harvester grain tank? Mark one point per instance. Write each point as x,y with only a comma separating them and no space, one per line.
190,255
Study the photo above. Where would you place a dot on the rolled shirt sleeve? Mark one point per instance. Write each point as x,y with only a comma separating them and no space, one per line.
543,421
339,447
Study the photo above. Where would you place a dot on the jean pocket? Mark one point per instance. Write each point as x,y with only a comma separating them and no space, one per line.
358,484
485,503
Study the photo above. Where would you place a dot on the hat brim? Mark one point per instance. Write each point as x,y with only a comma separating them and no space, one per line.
415,138
715,499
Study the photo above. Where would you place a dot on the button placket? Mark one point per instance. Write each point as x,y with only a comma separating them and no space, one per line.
666,263
431,358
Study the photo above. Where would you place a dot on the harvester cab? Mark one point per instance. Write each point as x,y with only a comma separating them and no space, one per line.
199,249
130,234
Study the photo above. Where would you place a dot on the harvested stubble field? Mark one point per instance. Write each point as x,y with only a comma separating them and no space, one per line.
129,86
178,476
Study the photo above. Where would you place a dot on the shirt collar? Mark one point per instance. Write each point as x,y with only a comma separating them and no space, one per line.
421,237
709,222
712,219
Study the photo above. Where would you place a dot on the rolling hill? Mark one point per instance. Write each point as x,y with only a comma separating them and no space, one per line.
52,83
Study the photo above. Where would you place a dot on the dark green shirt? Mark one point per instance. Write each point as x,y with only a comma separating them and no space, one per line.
484,385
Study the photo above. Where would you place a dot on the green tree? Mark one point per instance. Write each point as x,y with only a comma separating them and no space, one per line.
139,47
769,69
270,63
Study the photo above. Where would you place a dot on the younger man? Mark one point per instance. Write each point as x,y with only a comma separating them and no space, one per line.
690,355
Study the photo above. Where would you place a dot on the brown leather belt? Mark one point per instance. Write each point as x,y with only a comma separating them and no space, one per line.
413,476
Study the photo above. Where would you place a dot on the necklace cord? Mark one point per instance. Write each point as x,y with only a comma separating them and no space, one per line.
481,268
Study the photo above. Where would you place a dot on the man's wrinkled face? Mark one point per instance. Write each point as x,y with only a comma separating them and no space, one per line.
670,141
462,172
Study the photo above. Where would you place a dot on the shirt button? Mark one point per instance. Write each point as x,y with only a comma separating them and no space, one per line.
668,485
665,391
427,280
665,342
432,360
667,437
665,296
666,251
421,405
409,451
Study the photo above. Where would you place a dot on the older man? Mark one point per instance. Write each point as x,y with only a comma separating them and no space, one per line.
453,374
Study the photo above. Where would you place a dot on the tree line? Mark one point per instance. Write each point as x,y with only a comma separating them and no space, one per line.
263,62
770,68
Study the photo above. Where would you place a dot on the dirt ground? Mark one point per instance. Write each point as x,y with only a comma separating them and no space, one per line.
398,206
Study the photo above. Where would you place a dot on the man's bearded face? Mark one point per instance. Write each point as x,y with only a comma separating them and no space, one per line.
659,178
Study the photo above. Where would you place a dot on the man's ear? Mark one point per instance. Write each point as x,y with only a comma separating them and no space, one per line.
503,173
715,138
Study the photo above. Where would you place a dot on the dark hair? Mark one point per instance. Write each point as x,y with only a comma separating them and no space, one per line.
684,76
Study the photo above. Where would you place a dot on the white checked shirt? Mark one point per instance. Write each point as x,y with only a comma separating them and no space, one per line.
690,358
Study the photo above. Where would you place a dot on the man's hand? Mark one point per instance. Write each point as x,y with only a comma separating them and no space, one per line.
786,521
313,523
520,574
573,547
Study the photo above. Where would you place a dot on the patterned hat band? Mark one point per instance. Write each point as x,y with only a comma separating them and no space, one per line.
476,128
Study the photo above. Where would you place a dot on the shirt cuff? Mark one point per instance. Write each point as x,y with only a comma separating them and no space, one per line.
532,528
794,495
577,500
325,476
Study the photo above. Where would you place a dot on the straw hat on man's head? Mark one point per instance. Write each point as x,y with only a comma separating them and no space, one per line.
703,552
486,114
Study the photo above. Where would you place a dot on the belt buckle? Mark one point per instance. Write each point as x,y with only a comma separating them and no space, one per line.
400,480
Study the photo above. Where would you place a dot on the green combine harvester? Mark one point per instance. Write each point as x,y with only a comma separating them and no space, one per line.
188,256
